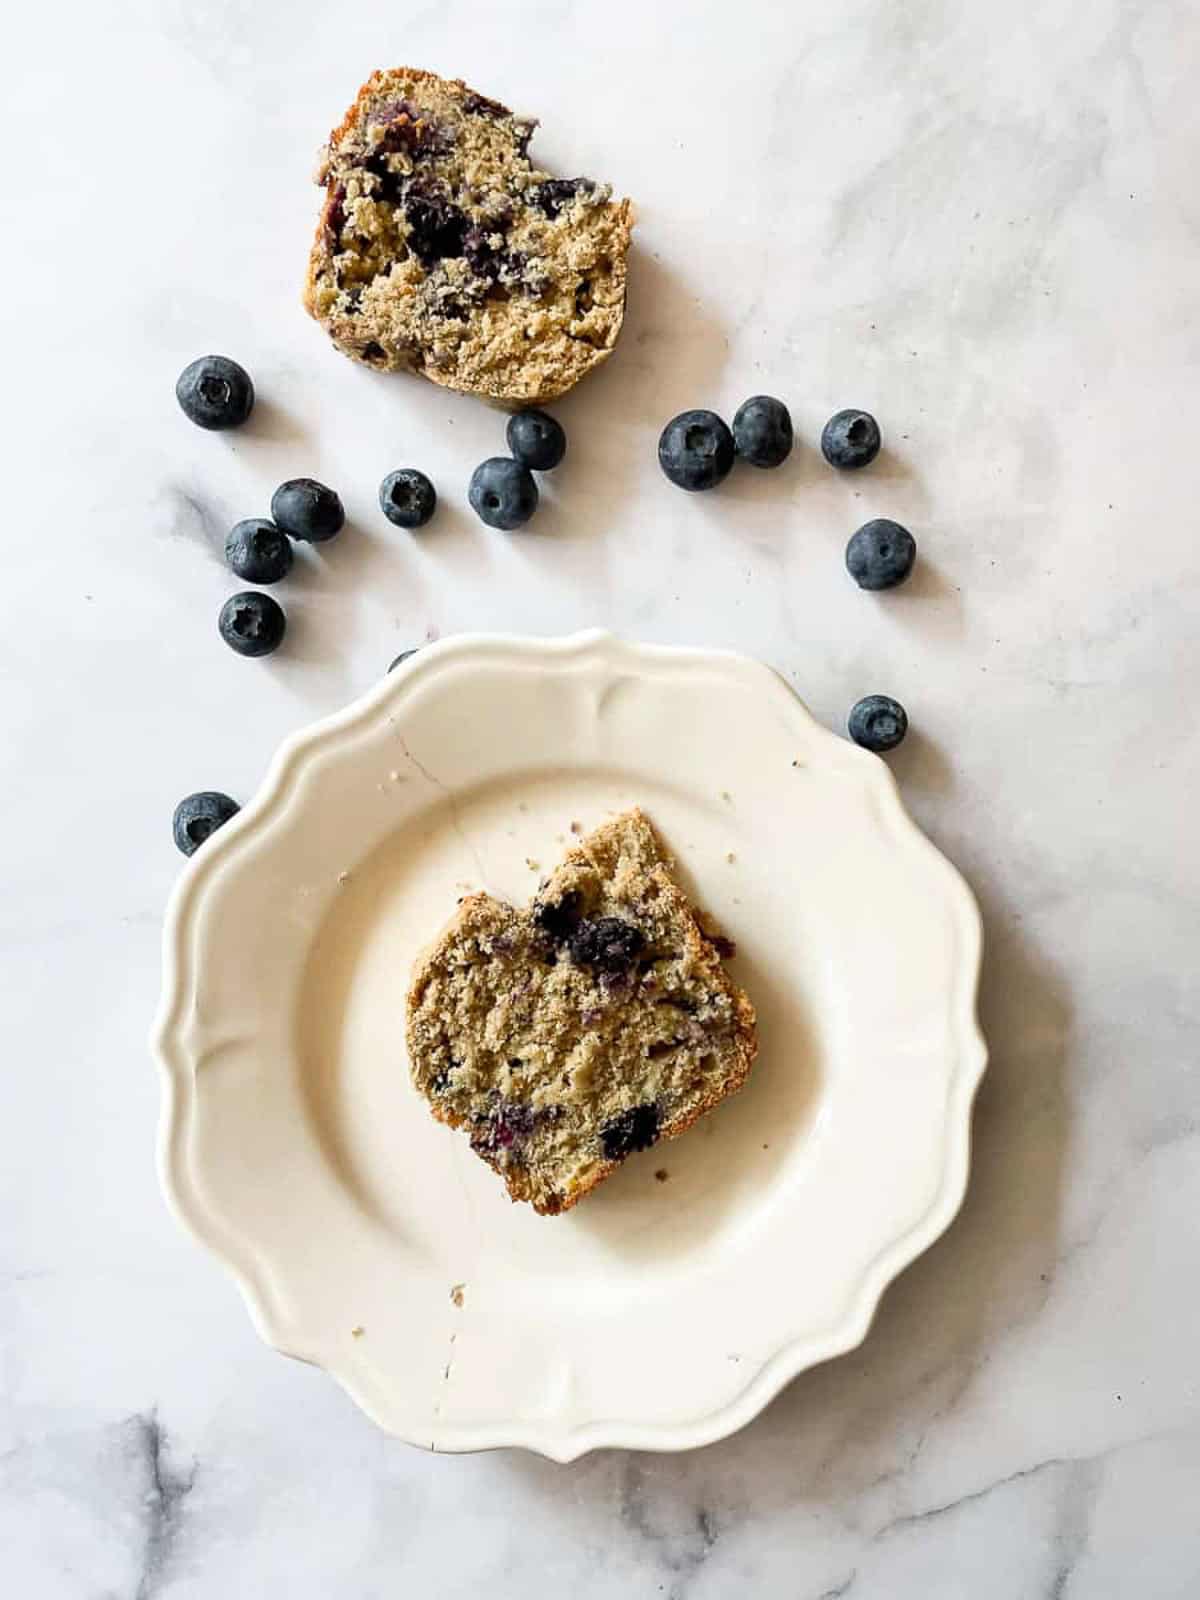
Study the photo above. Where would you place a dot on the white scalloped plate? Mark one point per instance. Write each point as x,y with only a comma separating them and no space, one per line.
661,1313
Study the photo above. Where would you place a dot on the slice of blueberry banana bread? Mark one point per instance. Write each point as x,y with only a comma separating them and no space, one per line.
566,1036
441,249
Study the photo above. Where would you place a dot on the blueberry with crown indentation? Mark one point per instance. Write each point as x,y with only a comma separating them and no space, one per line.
696,450
850,439
215,392
407,498
199,815
258,551
253,624
877,722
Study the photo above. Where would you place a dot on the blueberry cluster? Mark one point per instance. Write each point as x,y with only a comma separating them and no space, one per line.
696,450
216,393
259,550
503,491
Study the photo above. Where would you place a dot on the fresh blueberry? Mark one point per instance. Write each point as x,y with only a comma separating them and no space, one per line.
850,439
503,493
252,624
306,509
215,392
881,554
762,431
403,656
258,551
407,498
198,815
536,439
635,1129
695,450
878,722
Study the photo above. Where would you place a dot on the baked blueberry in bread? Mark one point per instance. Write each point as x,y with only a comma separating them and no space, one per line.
441,249
599,1020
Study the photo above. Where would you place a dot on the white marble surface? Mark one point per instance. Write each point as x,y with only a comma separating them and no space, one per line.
979,221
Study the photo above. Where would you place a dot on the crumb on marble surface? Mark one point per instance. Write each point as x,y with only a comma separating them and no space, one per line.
458,1293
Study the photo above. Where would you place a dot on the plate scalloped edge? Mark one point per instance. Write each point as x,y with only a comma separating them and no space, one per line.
253,1274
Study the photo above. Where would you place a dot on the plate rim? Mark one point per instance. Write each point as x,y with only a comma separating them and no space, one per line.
557,1440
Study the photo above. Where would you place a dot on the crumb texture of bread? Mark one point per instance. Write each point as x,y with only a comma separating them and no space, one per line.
598,1021
441,249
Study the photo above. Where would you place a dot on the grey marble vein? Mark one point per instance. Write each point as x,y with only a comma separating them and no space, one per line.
948,1507
679,1548
164,1504
839,1589
190,514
